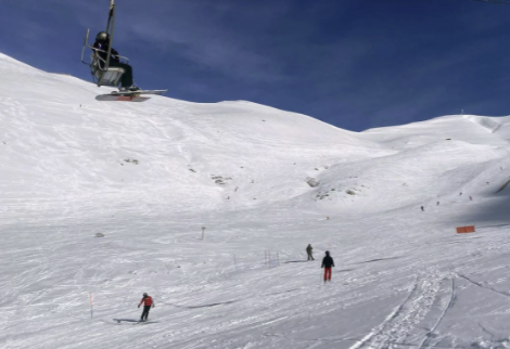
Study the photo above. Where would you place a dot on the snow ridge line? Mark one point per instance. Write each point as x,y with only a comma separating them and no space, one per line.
506,295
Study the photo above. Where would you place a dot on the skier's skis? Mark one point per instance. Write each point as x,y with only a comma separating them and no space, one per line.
138,92
129,96
135,322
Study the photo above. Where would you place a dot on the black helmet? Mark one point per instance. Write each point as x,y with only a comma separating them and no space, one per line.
145,295
102,36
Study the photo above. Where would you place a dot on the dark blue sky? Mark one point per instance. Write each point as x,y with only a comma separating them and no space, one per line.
355,64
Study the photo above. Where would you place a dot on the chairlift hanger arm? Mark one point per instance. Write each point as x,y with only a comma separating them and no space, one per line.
109,29
112,8
111,17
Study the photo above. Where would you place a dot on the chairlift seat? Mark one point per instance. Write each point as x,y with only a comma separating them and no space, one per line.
107,77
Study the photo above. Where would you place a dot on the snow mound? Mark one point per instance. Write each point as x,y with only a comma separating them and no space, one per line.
491,124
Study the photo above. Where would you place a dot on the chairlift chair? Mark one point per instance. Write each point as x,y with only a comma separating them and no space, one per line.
102,73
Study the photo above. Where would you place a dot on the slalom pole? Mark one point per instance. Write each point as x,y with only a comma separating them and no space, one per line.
91,306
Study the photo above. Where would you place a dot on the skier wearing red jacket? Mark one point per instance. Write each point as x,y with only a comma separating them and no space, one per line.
148,303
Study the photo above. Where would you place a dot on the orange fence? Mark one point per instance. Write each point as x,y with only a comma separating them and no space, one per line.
466,229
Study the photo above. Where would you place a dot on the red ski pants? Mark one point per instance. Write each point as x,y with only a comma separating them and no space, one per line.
327,274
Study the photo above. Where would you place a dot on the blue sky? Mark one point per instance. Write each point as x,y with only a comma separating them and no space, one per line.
356,64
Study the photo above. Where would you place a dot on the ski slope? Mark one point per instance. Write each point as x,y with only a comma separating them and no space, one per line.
149,176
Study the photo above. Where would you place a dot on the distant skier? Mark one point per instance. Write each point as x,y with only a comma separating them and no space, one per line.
101,46
309,250
148,303
422,208
327,264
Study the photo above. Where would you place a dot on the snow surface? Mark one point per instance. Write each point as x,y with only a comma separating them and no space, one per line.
148,176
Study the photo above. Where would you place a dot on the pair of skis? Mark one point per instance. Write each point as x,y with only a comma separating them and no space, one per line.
129,96
134,321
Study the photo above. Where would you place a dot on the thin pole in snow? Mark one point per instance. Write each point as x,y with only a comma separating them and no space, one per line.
91,306
278,258
203,232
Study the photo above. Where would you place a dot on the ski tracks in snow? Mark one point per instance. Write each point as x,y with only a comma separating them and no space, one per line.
413,322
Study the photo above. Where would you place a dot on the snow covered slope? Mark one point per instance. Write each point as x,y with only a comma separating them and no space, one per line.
263,183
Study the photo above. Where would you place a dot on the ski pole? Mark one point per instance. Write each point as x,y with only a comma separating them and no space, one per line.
91,306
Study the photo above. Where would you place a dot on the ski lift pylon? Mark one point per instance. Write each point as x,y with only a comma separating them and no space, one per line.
102,73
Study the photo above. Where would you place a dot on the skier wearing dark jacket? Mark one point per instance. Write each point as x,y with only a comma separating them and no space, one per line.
148,303
309,250
101,46
327,264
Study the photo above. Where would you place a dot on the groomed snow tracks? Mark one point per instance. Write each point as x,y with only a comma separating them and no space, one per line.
414,321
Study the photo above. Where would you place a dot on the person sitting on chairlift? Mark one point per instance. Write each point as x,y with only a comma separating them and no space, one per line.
102,44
